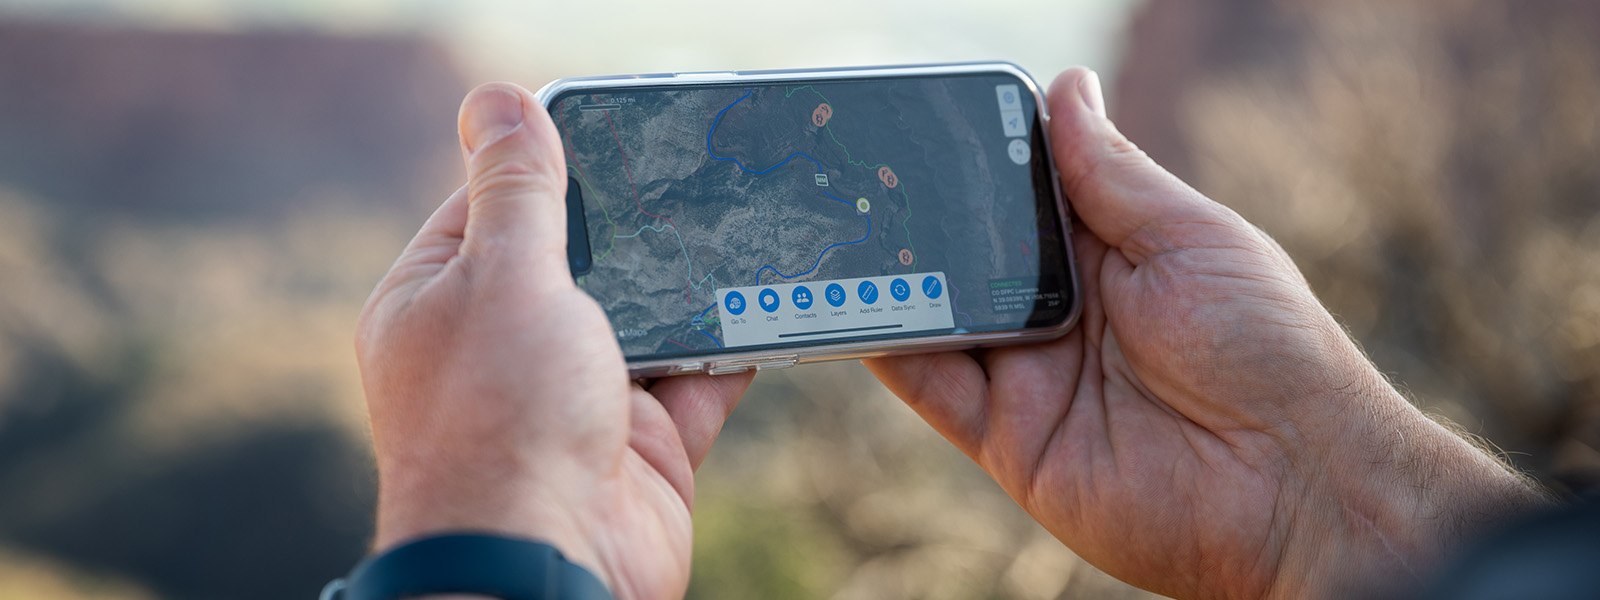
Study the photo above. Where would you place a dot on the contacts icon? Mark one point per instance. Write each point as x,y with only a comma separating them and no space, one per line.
802,298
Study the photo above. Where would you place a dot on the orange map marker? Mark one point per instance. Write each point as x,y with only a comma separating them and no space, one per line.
820,116
887,177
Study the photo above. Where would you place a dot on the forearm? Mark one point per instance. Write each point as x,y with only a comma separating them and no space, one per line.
1400,495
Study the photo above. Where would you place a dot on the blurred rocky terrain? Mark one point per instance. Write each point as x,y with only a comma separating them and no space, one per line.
189,223
1434,168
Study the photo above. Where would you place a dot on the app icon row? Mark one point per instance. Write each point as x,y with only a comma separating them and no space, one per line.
834,294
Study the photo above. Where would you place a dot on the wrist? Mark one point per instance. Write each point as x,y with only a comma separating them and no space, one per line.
414,502
1396,494
461,563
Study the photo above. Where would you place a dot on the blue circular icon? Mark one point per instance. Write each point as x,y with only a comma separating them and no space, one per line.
834,294
802,297
931,287
769,300
867,292
1009,97
734,302
899,289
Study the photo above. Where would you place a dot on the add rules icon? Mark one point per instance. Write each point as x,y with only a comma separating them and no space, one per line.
868,292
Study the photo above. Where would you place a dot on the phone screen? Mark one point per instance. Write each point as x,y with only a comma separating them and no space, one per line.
723,218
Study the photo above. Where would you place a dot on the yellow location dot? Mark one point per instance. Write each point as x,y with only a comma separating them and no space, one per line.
862,205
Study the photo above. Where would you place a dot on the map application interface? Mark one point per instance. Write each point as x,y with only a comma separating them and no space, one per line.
732,217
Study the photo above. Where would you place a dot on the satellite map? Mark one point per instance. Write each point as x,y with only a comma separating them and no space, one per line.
701,202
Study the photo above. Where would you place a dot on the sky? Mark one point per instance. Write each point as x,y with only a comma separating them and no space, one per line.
533,41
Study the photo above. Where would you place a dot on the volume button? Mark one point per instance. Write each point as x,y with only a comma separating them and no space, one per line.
775,364
727,369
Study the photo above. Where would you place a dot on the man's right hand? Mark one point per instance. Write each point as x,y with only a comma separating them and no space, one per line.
1208,429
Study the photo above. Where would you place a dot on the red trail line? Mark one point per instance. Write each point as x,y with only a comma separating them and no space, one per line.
628,169
679,344
687,297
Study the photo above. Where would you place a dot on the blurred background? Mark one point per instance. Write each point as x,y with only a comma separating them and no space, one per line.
197,195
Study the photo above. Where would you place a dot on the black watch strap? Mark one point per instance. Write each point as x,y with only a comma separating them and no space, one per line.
469,563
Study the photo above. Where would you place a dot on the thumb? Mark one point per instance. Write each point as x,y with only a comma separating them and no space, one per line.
1122,195
516,182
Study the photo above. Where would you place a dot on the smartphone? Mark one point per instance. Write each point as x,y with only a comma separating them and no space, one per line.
730,221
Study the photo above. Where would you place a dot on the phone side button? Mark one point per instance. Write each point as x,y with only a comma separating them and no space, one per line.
682,368
775,364
727,369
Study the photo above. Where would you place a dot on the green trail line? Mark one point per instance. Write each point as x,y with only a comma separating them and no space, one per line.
847,156
658,229
863,164
914,256
602,209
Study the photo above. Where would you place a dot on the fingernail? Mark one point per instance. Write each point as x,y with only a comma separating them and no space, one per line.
488,115
1089,88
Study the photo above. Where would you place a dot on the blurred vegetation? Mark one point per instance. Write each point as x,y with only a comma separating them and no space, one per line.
180,414
823,485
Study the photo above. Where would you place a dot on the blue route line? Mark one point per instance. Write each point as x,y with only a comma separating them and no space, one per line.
718,121
819,258
702,318
847,202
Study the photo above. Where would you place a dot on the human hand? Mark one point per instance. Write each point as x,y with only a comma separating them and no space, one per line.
1208,430
499,398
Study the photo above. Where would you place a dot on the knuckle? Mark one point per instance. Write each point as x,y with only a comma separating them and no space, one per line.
511,178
